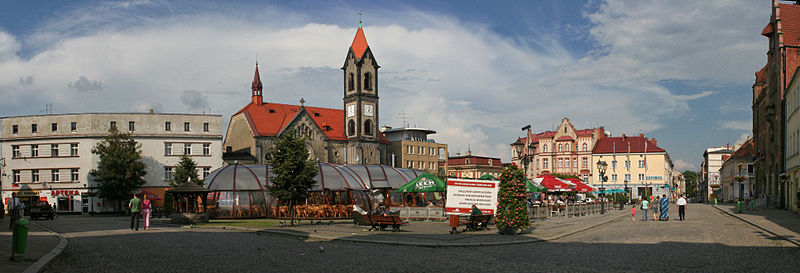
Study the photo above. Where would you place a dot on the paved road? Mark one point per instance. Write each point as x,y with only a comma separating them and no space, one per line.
707,241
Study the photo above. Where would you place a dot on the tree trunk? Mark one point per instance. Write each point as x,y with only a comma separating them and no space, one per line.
291,212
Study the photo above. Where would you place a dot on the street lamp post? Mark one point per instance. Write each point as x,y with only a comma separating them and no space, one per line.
601,169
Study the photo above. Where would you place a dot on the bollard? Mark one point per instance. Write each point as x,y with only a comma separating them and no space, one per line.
739,206
19,237
715,201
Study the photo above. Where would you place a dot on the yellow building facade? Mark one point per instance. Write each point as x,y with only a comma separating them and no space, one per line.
635,163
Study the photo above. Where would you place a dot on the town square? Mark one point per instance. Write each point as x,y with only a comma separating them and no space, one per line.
409,136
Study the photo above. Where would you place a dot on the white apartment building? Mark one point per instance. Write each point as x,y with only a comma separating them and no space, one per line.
48,157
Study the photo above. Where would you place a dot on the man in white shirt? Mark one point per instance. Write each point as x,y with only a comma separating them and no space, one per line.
14,208
681,207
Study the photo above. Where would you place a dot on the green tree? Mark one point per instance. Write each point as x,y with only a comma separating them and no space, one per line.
294,170
185,171
691,182
511,209
121,169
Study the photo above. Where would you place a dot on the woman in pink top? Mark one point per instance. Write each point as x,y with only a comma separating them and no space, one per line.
146,213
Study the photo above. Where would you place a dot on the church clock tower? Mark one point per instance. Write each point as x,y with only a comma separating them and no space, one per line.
361,102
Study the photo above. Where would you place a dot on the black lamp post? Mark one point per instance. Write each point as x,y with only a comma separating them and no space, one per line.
601,169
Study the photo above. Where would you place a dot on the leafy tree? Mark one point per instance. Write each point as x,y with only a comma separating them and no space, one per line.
121,169
691,182
185,171
511,209
294,170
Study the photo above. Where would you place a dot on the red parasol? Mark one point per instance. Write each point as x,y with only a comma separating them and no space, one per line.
553,183
580,186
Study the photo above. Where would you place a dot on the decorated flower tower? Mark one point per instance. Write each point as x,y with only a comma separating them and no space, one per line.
512,213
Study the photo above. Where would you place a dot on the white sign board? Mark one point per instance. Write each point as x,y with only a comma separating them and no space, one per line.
463,193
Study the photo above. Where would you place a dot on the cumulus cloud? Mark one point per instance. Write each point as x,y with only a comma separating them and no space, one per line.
682,165
743,125
742,139
83,84
473,86
194,99
27,80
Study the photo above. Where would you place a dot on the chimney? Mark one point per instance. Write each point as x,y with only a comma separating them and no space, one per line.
623,137
654,141
641,135
151,110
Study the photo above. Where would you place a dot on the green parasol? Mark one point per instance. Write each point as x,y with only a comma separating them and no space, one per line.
426,182
534,187
487,177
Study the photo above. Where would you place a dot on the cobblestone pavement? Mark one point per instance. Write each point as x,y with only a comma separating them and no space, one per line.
39,243
783,223
708,241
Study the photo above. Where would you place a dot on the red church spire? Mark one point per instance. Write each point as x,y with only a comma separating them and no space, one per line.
359,45
257,88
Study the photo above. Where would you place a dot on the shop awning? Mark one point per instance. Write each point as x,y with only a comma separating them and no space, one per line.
426,182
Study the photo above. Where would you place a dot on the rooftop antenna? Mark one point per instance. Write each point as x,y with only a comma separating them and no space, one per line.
48,109
403,116
359,18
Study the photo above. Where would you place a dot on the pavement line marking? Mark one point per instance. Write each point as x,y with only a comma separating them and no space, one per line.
48,258
759,227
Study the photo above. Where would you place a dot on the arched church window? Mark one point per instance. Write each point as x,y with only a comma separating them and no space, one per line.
368,127
559,147
544,148
351,127
367,81
584,147
351,82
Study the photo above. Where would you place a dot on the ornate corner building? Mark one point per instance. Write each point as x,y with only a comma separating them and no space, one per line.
348,136
769,88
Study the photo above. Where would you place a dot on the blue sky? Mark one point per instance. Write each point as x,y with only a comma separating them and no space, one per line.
475,71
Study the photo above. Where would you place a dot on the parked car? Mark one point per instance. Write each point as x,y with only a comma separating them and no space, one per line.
42,209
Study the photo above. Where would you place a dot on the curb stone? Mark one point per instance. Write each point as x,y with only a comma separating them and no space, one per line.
48,258
756,225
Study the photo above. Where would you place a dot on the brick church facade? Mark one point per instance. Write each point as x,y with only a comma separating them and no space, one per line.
337,136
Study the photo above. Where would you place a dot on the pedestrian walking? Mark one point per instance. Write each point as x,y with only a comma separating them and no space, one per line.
643,208
681,207
654,207
2,210
633,213
664,208
14,209
136,207
146,210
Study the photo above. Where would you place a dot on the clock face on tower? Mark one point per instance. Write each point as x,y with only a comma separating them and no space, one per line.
368,110
351,110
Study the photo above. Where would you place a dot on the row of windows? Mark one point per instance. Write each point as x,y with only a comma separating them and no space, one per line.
33,151
421,165
187,148
565,148
35,175
351,128
169,172
367,81
420,150
73,126
627,177
627,164
564,162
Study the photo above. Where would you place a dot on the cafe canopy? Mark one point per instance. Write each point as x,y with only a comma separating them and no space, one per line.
580,186
426,182
554,184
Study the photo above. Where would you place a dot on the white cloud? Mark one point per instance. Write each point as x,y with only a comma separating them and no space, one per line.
473,86
682,165
742,139
743,125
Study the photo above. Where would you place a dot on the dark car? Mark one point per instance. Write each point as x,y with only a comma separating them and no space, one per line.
42,209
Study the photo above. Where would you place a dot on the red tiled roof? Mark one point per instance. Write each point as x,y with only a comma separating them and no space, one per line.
359,45
746,151
607,145
585,132
790,23
761,75
767,30
269,119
